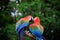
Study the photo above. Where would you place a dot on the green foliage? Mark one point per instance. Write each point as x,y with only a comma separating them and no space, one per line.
48,12
11,31
51,14
5,18
33,6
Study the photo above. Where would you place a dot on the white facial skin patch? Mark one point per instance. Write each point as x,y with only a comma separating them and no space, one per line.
30,18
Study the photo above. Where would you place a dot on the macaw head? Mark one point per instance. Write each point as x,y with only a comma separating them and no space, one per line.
28,18
36,20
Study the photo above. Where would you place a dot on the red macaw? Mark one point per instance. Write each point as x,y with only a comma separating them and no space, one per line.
21,24
36,28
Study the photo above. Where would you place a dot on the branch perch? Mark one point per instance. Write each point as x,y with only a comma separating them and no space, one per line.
29,34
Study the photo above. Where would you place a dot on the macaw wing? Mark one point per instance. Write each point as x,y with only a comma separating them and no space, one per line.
20,26
36,31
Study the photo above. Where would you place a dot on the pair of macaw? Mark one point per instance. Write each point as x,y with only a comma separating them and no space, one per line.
35,28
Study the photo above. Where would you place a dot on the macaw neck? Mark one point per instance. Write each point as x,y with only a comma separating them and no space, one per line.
37,23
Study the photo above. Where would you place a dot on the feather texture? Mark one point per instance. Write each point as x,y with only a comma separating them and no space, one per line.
21,24
36,28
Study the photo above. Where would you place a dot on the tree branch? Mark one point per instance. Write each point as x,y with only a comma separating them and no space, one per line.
29,34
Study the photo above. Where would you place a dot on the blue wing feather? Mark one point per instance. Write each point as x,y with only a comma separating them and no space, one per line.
20,29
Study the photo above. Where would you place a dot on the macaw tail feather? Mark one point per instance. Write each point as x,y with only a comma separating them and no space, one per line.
21,34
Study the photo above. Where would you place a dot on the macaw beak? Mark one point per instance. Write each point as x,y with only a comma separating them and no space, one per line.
31,21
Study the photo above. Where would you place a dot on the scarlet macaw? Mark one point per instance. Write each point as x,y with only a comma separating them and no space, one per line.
21,24
36,28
